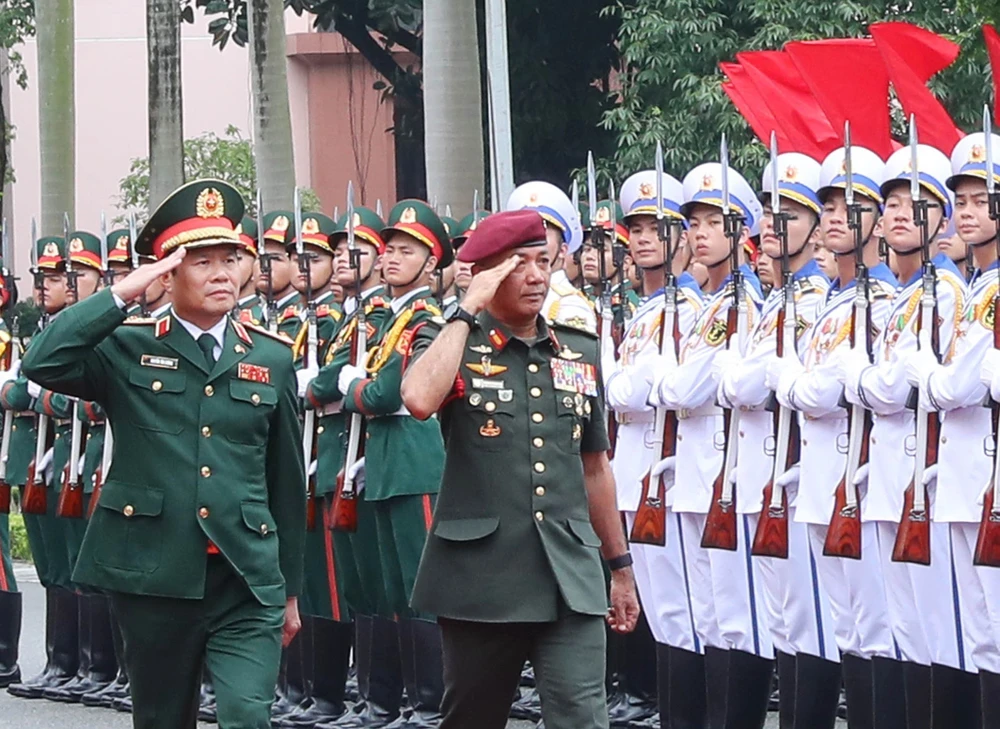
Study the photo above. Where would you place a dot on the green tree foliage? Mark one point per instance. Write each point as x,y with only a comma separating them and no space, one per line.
17,22
228,157
671,86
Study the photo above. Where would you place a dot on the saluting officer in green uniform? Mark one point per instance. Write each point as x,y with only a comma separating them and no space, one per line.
355,555
250,303
10,598
45,535
527,504
403,455
198,531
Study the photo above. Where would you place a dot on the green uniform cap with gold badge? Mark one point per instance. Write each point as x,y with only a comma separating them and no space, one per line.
248,234
51,252
602,218
418,219
276,224
450,226
316,230
196,215
466,226
120,246
367,229
85,249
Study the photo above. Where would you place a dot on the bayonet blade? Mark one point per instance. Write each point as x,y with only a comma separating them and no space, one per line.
350,215
574,195
378,206
614,215
724,161
132,241
67,253
34,244
475,202
659,180
848,165
991,183
104,242
914,169
591,183
297,213
5,251
775,177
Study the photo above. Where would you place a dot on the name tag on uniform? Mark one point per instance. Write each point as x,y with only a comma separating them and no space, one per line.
254,373
480,384
164,363
578,377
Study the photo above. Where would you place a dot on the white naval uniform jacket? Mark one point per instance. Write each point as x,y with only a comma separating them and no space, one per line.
743,387
884,389
964,468
565,304
815,392
627,386
690,389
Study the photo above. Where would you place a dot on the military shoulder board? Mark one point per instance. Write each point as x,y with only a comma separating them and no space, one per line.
277,336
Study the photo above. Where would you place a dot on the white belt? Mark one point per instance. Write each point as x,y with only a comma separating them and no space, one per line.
698,412
630,418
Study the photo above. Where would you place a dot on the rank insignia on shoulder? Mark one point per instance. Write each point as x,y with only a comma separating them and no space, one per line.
576,377
481,348
152,360
485,367
241,332
162,326
254,373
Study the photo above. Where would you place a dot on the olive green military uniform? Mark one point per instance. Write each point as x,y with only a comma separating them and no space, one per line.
251,310
512,564
14,396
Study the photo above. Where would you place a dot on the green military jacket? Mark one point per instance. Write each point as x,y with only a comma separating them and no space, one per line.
200,455
403,455
59,409
93,416
328,318
324,395
288,315
14,396
251,310
511,539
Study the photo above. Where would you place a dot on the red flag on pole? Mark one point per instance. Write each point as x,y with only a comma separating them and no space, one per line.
912,56
788,96
749,103
993,50
849,81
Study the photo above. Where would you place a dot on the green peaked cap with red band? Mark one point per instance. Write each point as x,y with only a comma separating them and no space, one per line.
248,234
197,214
276,223
466,226
85,249
316,229
120,246
602,218
418,219
51,251
367,229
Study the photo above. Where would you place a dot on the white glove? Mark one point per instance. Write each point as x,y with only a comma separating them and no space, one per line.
861,480
10,374
919,365
358,475
349,374
789,481
930,481
45,467
34,389
79,468
725,364
666,466
990,372
304,377
312,468
853,363
779,368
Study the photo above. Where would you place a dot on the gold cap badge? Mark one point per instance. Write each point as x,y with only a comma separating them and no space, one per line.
409,216
209,204
280,223
51,249
310,225
646,190
75,245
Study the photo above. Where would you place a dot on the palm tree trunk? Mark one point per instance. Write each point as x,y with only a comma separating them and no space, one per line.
166,108
272,120
54,30
453,127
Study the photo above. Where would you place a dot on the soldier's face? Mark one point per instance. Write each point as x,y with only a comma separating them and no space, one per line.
343,274
707,234
837,237
405,260
207,282
972,211
559,251
644,241
900,232
590,260
463,274
55,294
281,272
801,228
248,268
320,271
521,295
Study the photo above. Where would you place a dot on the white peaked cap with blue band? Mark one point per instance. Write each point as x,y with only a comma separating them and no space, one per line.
867,171
933,170
968,159
703,185
798,180
757,210
554,206
638,195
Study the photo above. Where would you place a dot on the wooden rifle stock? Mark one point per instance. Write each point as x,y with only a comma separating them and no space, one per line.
650,525
4,498
70,504
345,502
843,537
95,495
344,517
34,495
987,552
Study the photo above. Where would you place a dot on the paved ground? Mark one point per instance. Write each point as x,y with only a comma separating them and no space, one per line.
41,714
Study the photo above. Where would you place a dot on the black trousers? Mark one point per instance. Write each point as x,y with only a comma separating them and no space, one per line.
482,667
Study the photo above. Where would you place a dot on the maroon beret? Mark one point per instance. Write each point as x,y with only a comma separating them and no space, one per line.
503,232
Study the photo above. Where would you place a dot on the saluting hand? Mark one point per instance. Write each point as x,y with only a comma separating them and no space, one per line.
132,286
484,285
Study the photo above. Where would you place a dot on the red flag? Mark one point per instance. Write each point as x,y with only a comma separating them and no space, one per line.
911,56
849,81
993,50
748,102
788,96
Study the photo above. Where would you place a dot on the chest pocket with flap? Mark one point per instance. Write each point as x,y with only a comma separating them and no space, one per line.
161,394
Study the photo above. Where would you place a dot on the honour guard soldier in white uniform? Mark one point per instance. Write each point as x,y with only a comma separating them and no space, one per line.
796,606
921,609
812,387
659,570
963,465
738,663
565,304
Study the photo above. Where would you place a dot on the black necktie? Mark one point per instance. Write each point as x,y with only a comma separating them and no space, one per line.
207,344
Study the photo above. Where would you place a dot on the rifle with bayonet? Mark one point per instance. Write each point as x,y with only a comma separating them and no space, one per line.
913,539
650,525
309,360
10,359
345,504
720,523
843,536
132,235
102,468
987,552
266,268
771,537
35,499
70,504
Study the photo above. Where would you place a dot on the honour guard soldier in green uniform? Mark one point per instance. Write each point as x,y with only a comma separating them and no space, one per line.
97,664
119,253
527,503
45,536
250,304
10,598
445,277
355,555
621,293
404,455
316,229
278,285
463,270
198,536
